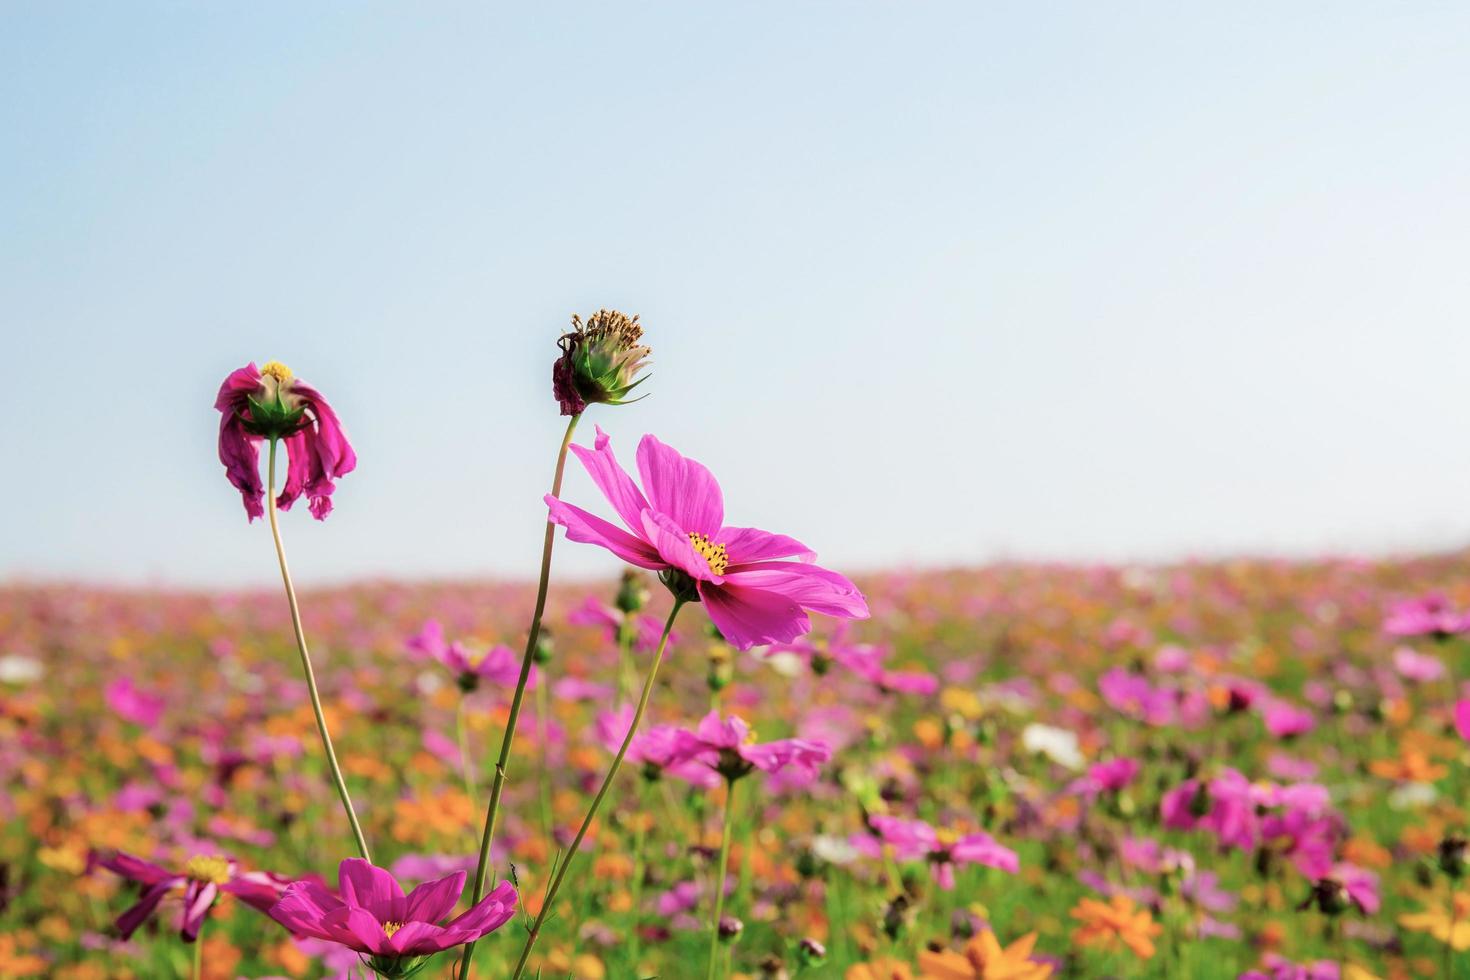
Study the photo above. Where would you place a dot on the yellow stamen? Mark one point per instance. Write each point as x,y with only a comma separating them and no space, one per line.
389,928
215,869
712,553
277,370
946,837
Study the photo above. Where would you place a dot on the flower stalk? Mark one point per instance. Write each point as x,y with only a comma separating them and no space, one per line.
507,739
316,699
724,863
607,781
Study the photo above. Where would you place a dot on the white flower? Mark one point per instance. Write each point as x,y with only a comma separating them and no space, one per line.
1057,744
16,669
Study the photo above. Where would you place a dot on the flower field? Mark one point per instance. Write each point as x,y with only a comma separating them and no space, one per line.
1207,770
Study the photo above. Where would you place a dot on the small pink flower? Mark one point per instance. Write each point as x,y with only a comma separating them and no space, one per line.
1415,666
727,746
200,882
270,403
1113,775
132,703
500,665
1429,615
915,840
678,530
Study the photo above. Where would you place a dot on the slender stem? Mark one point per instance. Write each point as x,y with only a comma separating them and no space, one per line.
316,698
640,870
466,765
724,863
543,778
497,785
199,951
607,781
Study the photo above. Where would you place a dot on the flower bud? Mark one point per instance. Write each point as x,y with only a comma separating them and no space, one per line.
275,410
600,361
810,952
721,667
544,646
730,928
632,593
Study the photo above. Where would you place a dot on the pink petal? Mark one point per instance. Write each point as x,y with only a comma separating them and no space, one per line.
616,485
136,869
433,900
129,921
421,938
590,529
1462,718
752,544
493,911
367,886
674,546
239,454
749,617
680,487
356,928
811,586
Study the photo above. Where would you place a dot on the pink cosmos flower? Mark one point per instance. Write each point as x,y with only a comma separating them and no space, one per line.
270,403
1285,720
200,883
132,703
656,749
646,629
375,918
678,530
1429,615
914,840
500,665
727,746
1110,776
1418,667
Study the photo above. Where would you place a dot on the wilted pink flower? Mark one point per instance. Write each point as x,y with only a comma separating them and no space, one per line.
270,403
198,884
679,531
394,930
727,746
914,840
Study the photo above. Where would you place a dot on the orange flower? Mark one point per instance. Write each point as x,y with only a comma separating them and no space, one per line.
1113,923
879,970
985,959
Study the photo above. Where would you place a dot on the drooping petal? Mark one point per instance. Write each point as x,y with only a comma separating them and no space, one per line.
199,896
238,452
420,938
810,586
749,617
237,385
433,900
490,913
369,887
300,469
129,921
747,544
614,482
675,548
680,487
591,529
136,869
334,452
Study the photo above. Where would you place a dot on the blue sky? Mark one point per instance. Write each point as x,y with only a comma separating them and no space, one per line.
926,283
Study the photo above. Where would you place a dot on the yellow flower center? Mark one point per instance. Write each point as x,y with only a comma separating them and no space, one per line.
946,837
389,928
712,553
277,370
213,869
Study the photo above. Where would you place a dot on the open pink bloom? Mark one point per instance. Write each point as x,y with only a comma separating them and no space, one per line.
726,746
678,530
1429,615
646,629
656,749
500,665
1418,667
1110,776
256,404
375,918
914,840
198,884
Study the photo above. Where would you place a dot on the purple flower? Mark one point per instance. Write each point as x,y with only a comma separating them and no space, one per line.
270,403
200,883
678,530
375,918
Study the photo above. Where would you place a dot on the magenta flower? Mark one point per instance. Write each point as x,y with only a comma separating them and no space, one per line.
133,704
646,629
1418,667
1462,718
499,664
375,918
656,749
678,530
1430,615
199,884
914,840
270,403
1285,720
728,747
1110,776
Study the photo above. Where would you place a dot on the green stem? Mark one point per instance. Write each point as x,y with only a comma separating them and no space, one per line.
465,764
316,698
199,952
543,778
640,869
719,883
607,781
497,785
